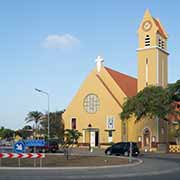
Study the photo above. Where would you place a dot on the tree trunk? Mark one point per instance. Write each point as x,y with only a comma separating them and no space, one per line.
178,140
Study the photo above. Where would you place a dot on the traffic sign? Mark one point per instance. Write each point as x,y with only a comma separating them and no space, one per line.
35,142
19,147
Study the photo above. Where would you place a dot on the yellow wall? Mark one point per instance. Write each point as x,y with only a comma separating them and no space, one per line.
151,55
157,57
156,68
157,75
108,106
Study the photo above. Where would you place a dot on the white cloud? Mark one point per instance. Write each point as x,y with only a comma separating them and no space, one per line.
64,41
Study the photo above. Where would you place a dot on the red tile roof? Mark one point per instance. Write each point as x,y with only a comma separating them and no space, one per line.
160,29
127,83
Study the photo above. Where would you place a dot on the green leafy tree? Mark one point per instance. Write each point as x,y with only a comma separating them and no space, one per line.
154,101
34,116
174,90
25,132
177,133
27,127
6,133
56,125
151,102
1,132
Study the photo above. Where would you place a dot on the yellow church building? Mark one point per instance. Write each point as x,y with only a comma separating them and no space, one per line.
95,109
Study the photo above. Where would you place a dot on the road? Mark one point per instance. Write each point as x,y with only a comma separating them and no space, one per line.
155,166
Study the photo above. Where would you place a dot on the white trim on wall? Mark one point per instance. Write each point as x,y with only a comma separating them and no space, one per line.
157,69
146,64
152,47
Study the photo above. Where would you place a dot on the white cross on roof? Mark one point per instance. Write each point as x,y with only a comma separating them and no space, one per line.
99,63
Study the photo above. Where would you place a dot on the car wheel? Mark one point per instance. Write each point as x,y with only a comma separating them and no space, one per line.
108,152
126,153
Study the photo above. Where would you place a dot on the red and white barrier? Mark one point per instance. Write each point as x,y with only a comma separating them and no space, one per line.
22,155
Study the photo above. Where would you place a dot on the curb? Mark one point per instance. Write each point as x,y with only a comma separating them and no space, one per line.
139,161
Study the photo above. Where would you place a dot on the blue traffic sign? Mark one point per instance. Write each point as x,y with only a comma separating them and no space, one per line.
19,147
34,142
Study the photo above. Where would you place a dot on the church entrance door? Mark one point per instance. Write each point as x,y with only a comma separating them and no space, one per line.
91,136
97,138
146,138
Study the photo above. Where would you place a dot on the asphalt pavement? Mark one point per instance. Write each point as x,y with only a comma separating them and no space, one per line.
154,166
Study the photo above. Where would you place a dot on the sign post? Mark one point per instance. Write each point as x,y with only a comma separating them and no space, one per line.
130,153
20,147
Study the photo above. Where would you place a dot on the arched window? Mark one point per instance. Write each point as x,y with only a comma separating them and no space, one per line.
146,137
147,40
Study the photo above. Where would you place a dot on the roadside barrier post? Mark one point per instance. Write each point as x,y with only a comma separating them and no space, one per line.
34,162
19,162
23,155
40,162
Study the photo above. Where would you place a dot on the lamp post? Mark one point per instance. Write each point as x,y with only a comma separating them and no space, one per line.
44,92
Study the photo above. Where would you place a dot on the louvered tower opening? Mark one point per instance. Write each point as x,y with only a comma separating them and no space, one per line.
147,41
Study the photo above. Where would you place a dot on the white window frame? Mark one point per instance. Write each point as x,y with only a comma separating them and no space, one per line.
108,118
146,64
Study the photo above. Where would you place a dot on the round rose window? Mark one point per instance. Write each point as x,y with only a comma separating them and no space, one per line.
91,103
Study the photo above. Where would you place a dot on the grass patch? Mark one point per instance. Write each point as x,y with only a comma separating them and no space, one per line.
60,161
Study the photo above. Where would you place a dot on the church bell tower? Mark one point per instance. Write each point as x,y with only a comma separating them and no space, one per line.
152,53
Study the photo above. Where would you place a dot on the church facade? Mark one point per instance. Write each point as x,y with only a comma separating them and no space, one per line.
96,107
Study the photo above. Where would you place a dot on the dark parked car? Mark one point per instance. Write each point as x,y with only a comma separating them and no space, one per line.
122,148
52,146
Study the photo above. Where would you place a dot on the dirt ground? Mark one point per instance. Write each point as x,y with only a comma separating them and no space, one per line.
61,161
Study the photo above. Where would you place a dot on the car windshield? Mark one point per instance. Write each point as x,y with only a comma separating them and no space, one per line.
118,145
124,144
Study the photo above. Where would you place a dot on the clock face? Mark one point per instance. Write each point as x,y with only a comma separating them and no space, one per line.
147,25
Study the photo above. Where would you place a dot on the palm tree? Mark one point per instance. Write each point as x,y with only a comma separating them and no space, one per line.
71,137
34,116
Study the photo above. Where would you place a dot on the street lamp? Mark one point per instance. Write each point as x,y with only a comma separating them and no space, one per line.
44,92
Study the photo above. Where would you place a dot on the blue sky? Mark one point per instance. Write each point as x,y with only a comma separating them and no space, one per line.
52,45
